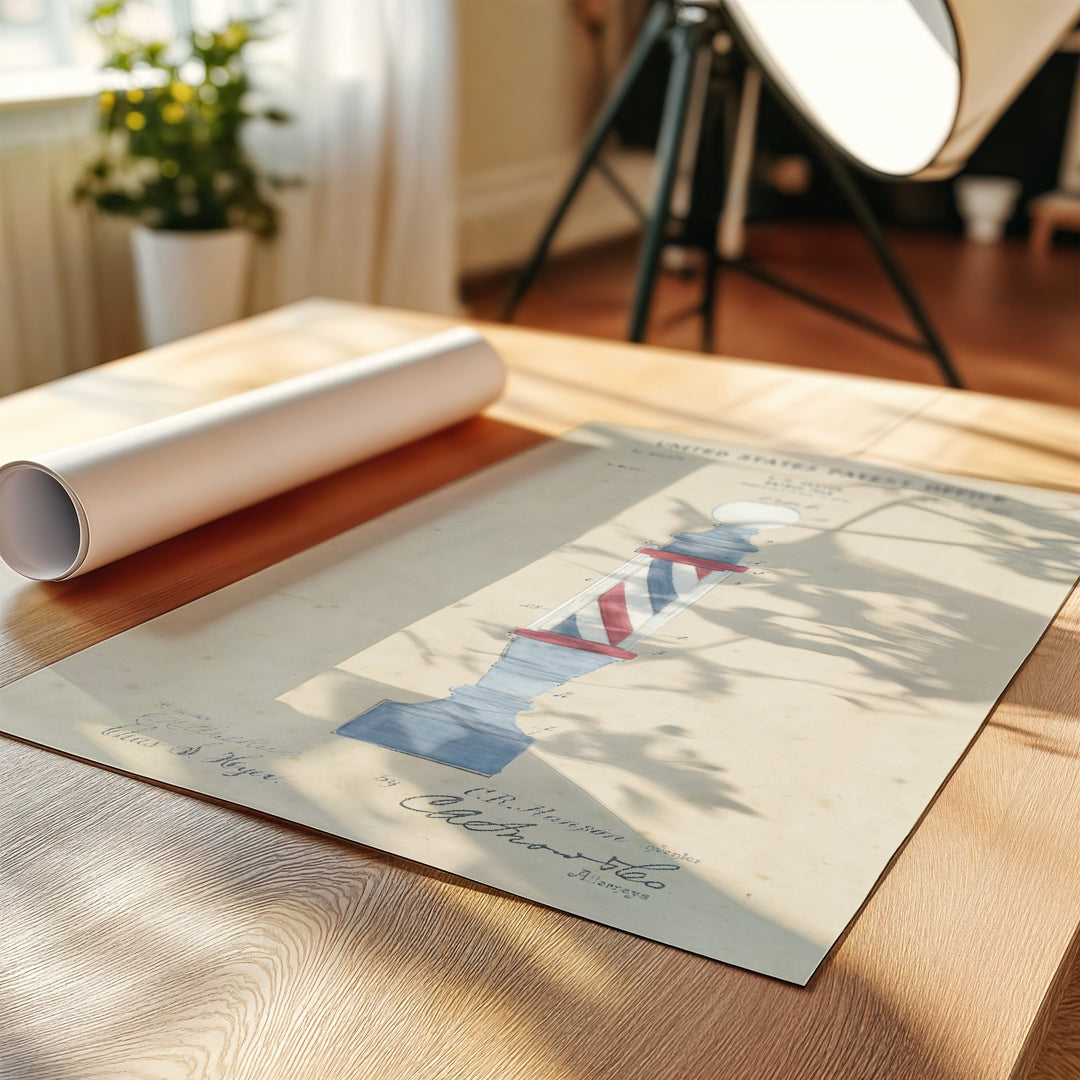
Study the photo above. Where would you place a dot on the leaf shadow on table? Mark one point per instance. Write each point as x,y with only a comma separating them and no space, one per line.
897,634
211,942
152,934
201,941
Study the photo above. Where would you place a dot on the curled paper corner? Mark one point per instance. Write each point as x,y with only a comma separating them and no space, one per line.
44,534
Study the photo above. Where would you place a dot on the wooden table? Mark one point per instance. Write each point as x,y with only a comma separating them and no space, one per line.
150,934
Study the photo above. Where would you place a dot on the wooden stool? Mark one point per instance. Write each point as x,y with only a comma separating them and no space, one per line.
1049,212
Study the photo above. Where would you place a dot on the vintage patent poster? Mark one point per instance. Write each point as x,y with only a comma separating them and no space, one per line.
692,691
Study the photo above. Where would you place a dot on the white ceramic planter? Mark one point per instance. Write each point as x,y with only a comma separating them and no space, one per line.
189,281
986,203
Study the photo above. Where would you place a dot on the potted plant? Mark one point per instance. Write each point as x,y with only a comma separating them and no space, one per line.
172,158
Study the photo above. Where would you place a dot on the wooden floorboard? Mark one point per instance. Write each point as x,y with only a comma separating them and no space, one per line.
1010,319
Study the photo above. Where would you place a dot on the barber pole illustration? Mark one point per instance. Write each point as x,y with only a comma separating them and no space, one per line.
476,728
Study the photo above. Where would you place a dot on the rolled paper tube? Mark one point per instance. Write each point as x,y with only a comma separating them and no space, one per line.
69,511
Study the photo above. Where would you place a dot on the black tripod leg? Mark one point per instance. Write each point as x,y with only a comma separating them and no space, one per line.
709,287
869,223
652,31
685,40
717,197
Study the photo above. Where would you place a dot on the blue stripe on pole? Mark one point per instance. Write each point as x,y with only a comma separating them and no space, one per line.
661,586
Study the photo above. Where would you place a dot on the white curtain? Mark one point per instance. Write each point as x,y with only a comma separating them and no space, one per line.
372,88
48,310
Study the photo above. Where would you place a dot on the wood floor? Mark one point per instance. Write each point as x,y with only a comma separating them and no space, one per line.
1010,320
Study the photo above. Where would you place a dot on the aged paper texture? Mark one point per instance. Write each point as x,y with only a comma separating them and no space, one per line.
692,691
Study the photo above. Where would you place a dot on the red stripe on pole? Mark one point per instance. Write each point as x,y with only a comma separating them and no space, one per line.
575,643
613,613
702,564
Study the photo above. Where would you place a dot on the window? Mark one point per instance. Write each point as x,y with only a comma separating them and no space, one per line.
47,51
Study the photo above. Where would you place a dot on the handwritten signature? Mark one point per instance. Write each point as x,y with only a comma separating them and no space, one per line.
448,808
143,731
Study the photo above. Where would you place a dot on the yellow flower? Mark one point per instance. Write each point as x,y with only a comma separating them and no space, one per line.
172,113
106,100
135,121
180,91
233,36
135,96
169,169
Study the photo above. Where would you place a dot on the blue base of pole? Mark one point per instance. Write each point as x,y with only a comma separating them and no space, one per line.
475,728
451,731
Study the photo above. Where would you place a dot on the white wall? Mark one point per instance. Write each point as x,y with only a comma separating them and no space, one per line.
526,95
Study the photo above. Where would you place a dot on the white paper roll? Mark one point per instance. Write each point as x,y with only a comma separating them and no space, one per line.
69,511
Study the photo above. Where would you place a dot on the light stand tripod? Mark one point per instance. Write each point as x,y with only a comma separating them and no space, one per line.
690,27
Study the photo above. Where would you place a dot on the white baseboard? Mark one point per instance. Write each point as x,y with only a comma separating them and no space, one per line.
503,209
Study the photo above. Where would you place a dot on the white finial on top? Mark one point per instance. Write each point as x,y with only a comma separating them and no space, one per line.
755,515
